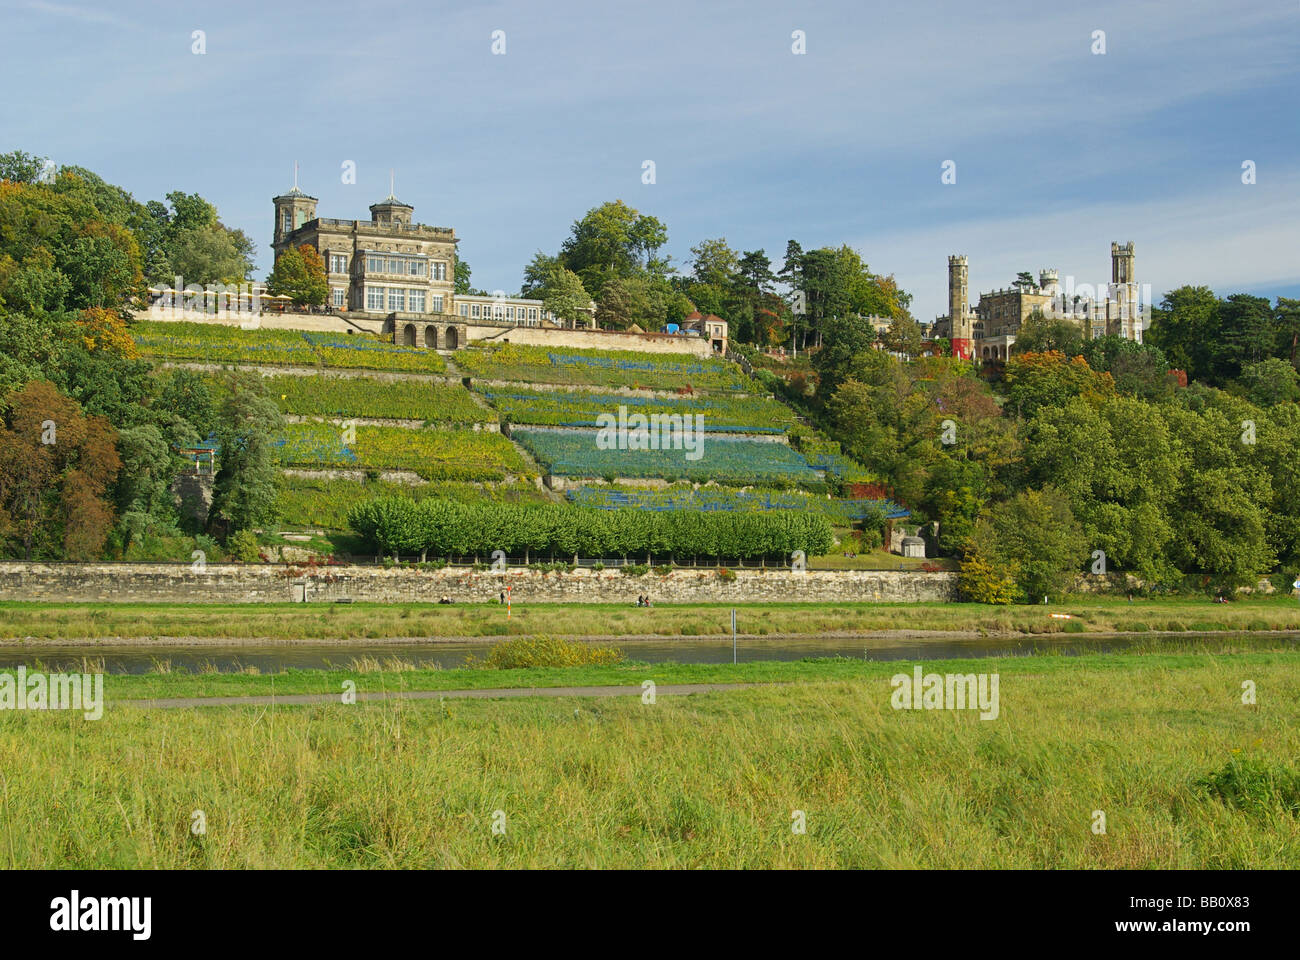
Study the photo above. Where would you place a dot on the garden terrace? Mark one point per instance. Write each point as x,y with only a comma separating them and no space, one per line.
707,499
221,343
562,408
603,368
431,453
731,460
325,502
379,399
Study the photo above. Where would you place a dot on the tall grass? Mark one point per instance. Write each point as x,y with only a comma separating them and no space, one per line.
702,781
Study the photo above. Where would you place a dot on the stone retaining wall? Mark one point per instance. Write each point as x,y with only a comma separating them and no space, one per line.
266,583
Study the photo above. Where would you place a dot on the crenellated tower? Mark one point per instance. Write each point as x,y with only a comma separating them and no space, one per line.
961,319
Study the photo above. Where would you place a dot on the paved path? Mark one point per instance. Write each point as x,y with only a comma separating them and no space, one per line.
664,689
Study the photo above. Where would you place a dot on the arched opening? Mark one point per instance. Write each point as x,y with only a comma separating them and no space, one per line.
408,335
431,337
453,338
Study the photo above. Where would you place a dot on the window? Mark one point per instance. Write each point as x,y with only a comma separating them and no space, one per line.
497,310
396,299
532,313
375,298
464,309
437,302
439,270
474,310
416,300
338,263
337,296
288,221
374,264
510,313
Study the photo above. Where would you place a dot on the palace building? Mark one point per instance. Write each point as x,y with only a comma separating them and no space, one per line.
989,331
404,271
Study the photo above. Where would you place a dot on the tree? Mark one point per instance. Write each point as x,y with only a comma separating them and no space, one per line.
462,273
1035,535
1184,326
565,296
625,301
21,167
299,274
1247,334
903,336
1271,382
1039,334
244,489
713,261
55,466
612,240
1050,379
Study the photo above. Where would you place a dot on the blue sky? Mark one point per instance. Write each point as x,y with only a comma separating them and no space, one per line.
1058,150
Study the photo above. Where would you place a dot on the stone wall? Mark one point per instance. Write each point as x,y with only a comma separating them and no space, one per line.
266,583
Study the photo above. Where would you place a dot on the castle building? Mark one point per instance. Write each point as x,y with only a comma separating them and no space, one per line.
393,267
989,331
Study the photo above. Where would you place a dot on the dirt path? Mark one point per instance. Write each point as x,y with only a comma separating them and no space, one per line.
294,699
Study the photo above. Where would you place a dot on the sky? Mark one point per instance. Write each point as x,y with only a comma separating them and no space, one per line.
1058,150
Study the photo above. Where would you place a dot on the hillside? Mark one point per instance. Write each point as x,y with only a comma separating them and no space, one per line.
514,424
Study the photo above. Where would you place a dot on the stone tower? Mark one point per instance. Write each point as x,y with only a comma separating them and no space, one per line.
292,210
963,323
1122,308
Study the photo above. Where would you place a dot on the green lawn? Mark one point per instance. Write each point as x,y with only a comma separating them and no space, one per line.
1186,775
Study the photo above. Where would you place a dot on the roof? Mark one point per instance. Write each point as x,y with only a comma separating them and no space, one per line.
294,194
392,201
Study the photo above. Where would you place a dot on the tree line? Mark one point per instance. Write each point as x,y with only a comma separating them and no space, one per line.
395,525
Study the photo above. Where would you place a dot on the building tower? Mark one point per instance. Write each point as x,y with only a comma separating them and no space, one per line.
1122,305
959,316
292,210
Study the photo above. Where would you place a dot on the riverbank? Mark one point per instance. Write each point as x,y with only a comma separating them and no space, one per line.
1160,745
190,623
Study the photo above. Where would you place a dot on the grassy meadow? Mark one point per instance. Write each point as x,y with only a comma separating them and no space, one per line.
294,621
1186,775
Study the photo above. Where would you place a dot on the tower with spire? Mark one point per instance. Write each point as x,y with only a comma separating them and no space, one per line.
293,209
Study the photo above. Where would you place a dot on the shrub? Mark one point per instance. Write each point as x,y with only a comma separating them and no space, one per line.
524,652
980,582
242,547
1253,785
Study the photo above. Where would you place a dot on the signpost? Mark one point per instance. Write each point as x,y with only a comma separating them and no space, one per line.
733,635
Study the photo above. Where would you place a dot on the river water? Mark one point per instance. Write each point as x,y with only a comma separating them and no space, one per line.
272,658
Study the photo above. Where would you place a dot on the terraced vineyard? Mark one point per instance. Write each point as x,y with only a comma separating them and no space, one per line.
730,460
565,408
430,453
313,502
221,343
380,399
603,368
841,512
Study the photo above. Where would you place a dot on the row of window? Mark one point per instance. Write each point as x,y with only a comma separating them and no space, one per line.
402,265
498,311
390,299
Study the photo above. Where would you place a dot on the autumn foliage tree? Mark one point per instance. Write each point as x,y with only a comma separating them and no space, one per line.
55,468
299,274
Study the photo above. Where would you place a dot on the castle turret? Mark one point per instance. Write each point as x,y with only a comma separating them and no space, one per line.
292,210
1122,311
961,321
391,211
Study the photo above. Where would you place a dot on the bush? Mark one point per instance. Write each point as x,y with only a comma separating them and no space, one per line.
1250,784
526,652
980,582
242,547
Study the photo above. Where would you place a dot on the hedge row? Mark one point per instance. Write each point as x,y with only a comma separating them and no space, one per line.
441,528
